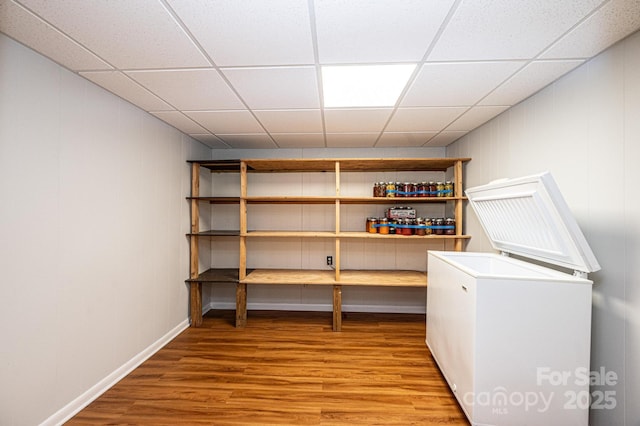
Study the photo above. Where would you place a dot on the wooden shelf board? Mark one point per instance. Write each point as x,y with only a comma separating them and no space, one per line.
396,200
217,275
331,234
290,199
216,233
290,234
347,277
217,200
219,165
384,278
351,164
406,237
300,199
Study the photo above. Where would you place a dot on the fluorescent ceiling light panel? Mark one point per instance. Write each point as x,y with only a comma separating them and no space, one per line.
364,85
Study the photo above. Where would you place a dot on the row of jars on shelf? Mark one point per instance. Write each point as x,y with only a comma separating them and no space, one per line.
413,189
418,226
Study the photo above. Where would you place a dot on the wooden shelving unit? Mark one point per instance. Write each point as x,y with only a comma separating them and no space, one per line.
337,277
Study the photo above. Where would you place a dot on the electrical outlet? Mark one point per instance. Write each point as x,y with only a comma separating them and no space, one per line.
329,260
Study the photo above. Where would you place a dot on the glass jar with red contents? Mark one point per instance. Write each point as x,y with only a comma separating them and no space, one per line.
433,189
380,189
422,189
438,224
450,226
407,226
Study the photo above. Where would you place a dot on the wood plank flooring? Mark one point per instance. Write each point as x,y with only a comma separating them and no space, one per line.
286,368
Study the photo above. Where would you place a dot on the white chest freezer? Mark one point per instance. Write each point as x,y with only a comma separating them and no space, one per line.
512,338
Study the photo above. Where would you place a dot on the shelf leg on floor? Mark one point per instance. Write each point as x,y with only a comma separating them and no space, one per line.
195,299
241,305
337,307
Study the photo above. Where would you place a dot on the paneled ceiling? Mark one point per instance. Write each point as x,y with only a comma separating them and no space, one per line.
247,73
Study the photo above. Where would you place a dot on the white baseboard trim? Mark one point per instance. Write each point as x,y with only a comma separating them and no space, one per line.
72,408
319,307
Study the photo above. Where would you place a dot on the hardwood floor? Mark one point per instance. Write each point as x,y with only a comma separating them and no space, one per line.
286,368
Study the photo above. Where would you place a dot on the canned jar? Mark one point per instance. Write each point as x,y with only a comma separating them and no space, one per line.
407,230
440,189
450,223
371,222
422,189
392,226
413,189
420,227
383,225
427,226
390,190
438,224
433,188
448,189
380,189
406,190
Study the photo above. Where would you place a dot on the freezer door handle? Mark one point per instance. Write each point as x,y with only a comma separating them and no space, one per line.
464,287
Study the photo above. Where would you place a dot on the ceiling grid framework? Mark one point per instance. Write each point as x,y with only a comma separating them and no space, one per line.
248,73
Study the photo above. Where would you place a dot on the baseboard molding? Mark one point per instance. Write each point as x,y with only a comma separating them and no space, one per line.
313,307
72,408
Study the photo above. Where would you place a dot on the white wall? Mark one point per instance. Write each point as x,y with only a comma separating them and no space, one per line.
93,253
310,253
585,129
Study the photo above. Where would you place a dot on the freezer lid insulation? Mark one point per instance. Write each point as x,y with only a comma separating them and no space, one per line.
528,216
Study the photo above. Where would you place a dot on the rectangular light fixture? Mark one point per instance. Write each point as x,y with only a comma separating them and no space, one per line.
364,85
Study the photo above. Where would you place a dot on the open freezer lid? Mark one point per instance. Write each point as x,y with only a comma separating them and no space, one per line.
528,216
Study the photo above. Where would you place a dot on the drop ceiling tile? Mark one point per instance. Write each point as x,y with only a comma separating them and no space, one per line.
529,80
445,138
32,31
210,140
250,32
351,140
393,139
382,31
129,34
180,121
423,119
123,86
248,141
507,29
229,122
457,84
291,121
299,140
356,120
276,87
614,21
195,89
475,117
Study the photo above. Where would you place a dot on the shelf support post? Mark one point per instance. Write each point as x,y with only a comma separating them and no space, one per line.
457,176
337,241
337,307
195,288
241,288
241,305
